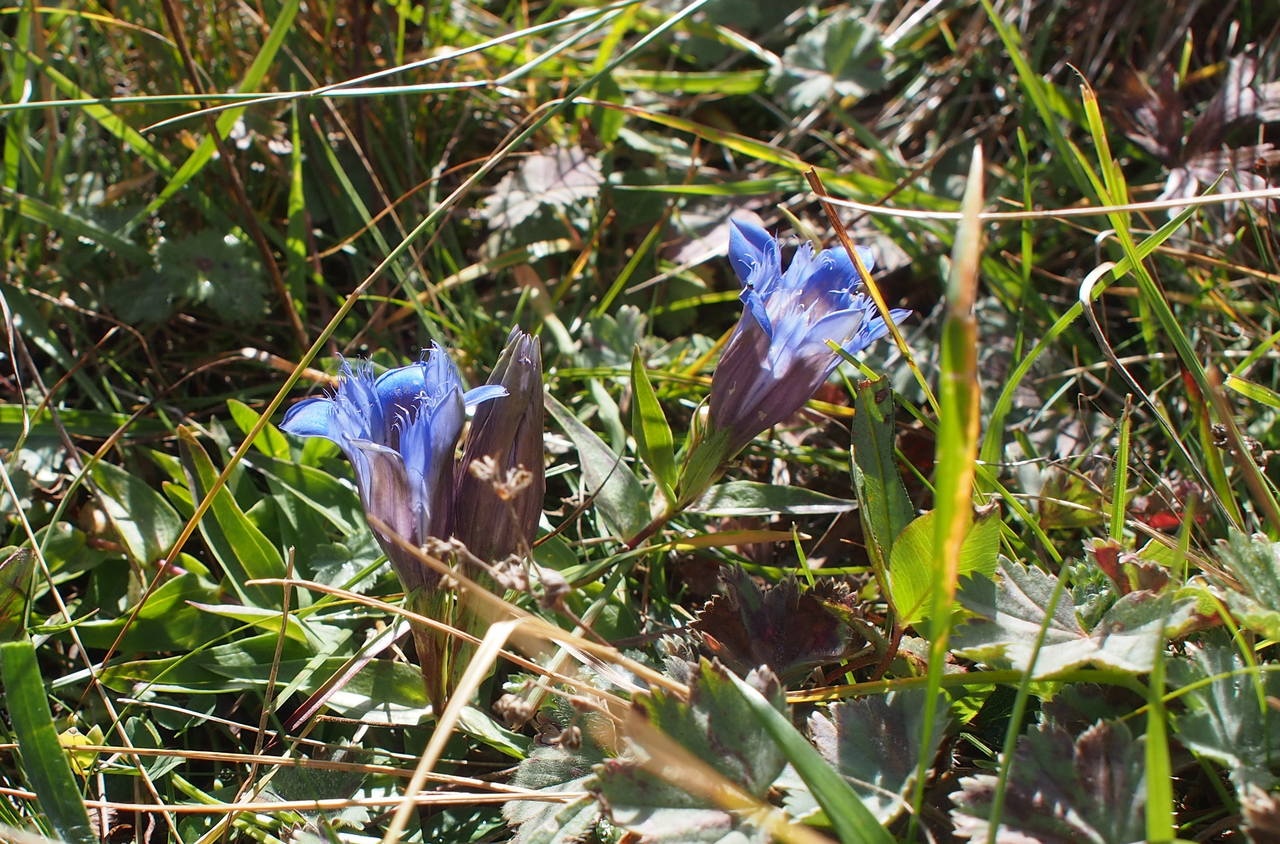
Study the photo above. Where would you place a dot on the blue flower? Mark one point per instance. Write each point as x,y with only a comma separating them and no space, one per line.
399,430
778,355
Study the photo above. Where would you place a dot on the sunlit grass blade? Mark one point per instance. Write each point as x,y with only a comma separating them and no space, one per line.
844,809
957,448
43,758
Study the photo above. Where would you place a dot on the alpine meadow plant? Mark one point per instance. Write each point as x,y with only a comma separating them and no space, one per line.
778,355
400,431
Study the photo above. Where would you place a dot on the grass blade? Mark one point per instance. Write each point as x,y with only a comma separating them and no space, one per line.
42,756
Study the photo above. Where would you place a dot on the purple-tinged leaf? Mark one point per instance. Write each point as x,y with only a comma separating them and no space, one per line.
1062,791
875,742
780,626
717,727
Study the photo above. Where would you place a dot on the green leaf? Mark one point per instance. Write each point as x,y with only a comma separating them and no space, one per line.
842,56
912,572
16,569
262,618
750,498
618,493
716,718
1228,719
43,759
242,549
554,770
649,426
851,820
1062,791
1012,612
270,442
874,743
143,519
1255,564
167,622
884,506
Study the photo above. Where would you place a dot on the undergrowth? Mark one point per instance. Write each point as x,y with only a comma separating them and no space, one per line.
1011,574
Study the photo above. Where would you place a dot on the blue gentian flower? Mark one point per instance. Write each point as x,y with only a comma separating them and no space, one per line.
399,430
778,355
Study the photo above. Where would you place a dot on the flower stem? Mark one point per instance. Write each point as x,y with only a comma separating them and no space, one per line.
650,529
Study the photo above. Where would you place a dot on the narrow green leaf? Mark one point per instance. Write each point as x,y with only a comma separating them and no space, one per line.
146,523
852,821
72,227
654,441
242,549
1254,391
43,759
752,498
204,151
885,507
618,493
16,570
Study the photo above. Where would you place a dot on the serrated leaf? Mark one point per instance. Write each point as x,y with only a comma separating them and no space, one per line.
1227,719
715,725
874,743
559,177
884,505
750,498
782,627
853,823
1011,612
649,426
554,770
1255,563
841,56
912,571
1062,791
618,493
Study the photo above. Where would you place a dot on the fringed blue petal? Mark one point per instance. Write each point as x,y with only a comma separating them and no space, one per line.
751,247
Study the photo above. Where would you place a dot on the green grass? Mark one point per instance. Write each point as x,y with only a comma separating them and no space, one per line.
203,208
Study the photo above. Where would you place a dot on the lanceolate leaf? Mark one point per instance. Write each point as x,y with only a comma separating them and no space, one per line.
242,549
749,498
885,507
618,493
43,759
649,426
